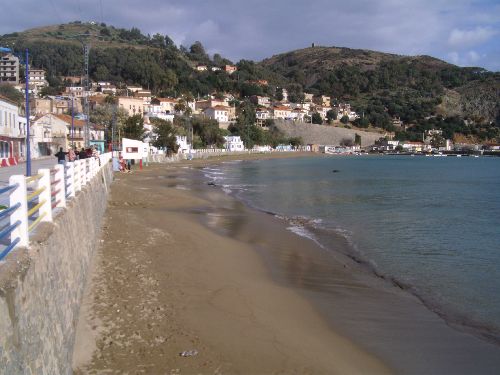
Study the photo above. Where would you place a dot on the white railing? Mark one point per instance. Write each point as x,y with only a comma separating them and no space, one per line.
34,199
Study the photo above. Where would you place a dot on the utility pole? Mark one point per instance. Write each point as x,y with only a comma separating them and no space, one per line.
28,146
86,49
72,122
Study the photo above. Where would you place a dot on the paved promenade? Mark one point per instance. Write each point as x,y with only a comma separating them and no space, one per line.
6,172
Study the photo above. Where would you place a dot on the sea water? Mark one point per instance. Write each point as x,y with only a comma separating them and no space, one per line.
429,224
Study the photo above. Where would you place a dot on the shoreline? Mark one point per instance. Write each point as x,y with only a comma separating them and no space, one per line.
350,301
457,321
168,281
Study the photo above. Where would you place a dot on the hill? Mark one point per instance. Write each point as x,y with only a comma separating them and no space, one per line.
410,87
424,92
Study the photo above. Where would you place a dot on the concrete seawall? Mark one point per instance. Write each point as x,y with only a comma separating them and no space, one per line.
41,288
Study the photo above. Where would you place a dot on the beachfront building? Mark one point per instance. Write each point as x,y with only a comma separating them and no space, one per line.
184,145
12,133
234,143
413,146
387,145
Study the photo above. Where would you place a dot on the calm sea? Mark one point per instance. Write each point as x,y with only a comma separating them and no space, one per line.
430,224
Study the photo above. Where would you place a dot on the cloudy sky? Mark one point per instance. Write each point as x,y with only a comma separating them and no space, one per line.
463,32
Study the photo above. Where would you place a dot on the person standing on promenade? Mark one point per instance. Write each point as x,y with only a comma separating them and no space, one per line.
61,156
83,154
71,155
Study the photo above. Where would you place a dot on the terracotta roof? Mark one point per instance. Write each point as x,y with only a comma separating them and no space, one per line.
220,108
166,100
67,120
281,108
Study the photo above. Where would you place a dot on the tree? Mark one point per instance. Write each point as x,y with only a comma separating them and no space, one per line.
134,128
105,114
296,141
316,118
437,141
164,133
344,119
362,122
11,93
197,52
331,115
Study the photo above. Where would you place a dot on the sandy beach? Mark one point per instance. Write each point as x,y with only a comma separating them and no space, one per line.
183,267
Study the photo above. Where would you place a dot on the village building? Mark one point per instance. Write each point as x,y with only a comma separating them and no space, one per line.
184,145
134,89
133,106
9,69
262,114
12,133
48,134
37,77
230,69
264,101
73,80
308,97
76,91
201,68
233,143
219,113
322,100
281,112
145,95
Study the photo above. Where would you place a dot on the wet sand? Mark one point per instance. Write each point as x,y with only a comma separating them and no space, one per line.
183,267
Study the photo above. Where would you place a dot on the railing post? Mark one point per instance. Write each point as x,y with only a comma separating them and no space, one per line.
69,182
76,176
61,185
46,208
21,214
86,170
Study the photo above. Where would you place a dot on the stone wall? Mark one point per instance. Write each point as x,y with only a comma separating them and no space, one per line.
41,287
325,134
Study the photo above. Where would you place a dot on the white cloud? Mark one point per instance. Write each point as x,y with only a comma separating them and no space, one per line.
465,38
470,58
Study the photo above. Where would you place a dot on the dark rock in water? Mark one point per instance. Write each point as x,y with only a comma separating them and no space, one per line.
211,183
335,171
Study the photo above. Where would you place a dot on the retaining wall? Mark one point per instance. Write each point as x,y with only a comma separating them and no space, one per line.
41,287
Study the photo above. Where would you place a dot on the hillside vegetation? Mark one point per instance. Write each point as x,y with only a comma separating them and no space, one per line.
424,92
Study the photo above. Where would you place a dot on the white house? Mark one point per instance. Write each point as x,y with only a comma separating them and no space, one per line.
281,112
12,132
219,113
184,145
234,143
49,132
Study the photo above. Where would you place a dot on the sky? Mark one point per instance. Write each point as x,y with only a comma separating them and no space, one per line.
462,32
